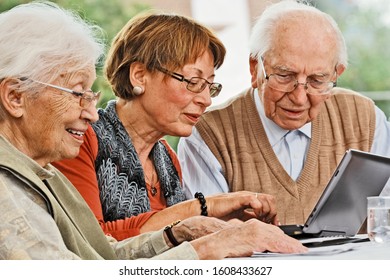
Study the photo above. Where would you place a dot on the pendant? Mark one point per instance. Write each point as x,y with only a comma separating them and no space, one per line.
153,190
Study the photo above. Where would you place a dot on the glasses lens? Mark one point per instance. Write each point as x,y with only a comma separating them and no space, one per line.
319,88
89,97
317,92
281,83
196,85
215,89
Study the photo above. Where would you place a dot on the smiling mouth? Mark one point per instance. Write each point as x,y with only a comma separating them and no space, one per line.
76,132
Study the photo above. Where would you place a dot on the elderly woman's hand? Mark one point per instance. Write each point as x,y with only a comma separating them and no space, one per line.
242,240
243,205
197,226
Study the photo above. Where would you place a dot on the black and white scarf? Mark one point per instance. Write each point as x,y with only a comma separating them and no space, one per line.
120,174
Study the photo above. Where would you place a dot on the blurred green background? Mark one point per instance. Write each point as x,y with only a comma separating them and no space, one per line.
365,27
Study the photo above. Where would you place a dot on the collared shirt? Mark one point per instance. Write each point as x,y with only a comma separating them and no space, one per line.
289,146
202,171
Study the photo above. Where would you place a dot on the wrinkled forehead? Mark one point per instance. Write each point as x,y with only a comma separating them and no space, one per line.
305,34
87,72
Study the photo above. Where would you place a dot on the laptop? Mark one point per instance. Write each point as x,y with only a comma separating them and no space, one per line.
342,207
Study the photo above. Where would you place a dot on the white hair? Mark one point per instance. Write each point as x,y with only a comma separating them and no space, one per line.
264,29
40,40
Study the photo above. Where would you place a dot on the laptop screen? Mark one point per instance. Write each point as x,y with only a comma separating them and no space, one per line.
342,208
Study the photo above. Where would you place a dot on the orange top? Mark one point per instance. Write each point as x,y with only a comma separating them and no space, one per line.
81,172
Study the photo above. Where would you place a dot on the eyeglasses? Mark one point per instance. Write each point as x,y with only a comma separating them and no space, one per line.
288,83
194,84
86,97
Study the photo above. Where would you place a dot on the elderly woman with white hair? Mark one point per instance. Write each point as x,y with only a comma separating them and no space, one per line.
47,70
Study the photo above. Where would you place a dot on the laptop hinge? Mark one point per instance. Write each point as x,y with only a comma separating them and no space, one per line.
331,233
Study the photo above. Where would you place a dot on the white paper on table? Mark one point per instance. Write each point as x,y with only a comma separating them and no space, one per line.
315,251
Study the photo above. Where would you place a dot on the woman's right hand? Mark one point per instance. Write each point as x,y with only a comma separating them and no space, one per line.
243,205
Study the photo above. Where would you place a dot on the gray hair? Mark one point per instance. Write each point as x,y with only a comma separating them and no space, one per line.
40,40
264,29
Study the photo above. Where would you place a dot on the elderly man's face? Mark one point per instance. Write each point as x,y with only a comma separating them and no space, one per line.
54,122
302,49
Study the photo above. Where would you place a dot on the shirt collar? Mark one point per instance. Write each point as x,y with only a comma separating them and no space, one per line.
274,132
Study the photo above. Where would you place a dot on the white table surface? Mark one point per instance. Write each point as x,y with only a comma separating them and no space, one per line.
350,251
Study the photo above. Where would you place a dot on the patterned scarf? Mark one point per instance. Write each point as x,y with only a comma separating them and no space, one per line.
120,174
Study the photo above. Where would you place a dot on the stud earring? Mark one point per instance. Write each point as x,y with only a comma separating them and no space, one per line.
138,90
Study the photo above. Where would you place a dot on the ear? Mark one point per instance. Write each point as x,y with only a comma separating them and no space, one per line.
340,69
12,100
137,74
253,68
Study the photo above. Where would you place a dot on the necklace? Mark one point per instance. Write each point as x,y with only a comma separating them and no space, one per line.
153,189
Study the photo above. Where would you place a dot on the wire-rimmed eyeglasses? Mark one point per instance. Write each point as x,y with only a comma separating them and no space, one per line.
86,97
288,83
194,84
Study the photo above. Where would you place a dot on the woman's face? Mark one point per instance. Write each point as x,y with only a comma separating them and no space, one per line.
53,123
171,108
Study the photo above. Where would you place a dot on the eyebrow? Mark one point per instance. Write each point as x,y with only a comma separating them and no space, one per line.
283,69
200,72
286,69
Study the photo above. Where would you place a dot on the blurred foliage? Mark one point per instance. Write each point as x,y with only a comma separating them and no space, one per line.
173,141
366,31
367,34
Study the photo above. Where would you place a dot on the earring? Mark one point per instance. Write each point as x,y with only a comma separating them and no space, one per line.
138,90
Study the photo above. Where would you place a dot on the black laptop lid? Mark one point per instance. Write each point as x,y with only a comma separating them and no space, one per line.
342,208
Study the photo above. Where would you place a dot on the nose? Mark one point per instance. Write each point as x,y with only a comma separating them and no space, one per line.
299,94
302,84
203,98
89,113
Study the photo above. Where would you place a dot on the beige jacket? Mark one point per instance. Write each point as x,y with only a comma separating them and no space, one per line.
44,217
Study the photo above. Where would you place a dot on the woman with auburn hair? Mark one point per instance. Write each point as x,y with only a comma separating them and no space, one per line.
161,68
